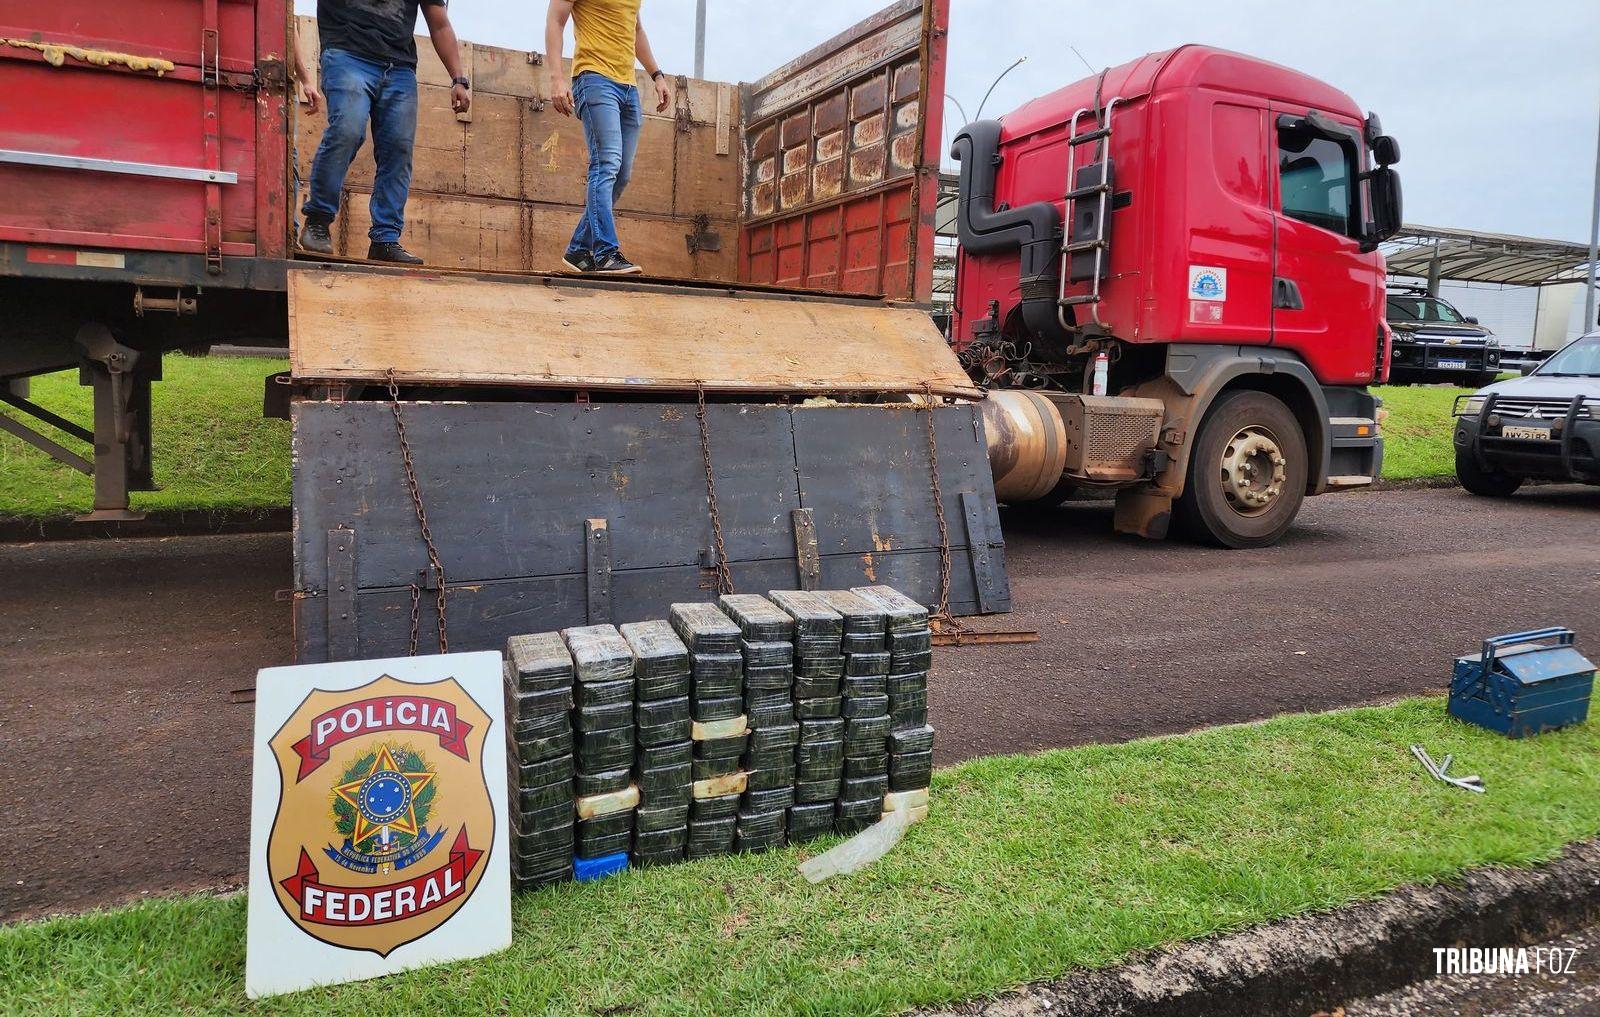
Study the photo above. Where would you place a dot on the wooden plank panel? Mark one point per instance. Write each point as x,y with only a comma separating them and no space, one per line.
359,324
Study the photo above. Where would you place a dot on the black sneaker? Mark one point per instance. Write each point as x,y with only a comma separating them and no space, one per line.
579,261
392,253
614,264
314,237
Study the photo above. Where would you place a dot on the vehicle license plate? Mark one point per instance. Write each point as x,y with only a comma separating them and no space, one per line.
1452,365
1523,431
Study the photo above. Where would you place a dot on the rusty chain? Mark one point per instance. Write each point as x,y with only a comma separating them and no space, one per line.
422,524
525,207
723,572
344,224
942,612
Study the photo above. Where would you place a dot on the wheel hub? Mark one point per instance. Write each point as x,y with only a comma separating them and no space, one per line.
1252,474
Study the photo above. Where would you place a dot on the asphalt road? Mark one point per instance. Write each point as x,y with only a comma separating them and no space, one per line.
126,765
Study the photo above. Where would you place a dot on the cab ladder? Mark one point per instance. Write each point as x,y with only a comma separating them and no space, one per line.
1098,188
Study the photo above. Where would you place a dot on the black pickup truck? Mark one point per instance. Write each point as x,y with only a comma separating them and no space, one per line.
1434,342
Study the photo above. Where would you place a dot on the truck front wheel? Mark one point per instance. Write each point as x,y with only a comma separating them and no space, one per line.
1247,473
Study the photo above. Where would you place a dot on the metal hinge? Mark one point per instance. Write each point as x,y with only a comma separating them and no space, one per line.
177,303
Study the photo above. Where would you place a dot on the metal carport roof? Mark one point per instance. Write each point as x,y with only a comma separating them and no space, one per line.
1470,256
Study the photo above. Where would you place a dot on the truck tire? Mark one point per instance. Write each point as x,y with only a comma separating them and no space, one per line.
1247,473
1481,482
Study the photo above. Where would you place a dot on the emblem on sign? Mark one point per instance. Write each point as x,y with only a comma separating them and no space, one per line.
385,818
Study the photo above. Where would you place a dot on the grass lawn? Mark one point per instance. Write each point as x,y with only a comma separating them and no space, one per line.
1417,433
213,449
1028,867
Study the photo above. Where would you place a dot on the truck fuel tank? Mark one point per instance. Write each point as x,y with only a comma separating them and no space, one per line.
1037,438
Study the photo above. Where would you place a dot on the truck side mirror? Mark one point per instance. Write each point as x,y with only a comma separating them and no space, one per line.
1471,320
1383,187
1385,150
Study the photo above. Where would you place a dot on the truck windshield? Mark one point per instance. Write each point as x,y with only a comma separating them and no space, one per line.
1580,360
1422,309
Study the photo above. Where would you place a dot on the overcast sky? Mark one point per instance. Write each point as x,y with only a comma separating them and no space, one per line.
1496,103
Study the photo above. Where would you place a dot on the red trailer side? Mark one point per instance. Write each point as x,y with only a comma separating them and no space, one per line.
144,125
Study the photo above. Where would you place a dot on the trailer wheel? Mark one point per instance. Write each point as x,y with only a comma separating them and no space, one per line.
1481,482
1247,473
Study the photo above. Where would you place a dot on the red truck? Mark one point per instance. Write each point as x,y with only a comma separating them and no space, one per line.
1169,279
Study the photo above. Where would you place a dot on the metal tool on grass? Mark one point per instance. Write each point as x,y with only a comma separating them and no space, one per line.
1441,772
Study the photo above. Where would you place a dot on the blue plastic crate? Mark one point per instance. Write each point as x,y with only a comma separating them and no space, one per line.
587,870
1524,683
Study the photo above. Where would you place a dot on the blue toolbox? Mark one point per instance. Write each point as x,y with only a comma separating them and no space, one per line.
1523,683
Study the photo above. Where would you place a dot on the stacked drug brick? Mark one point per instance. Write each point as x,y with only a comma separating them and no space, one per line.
603,719
538,677
866,712
732,726
910,744
766,641
719,728
819,675
663,762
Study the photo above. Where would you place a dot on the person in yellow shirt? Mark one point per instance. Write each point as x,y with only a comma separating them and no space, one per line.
601,91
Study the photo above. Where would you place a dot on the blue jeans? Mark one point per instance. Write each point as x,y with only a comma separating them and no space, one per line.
611,121
357,91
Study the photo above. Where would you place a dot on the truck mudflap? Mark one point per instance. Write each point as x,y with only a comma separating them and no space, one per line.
552,514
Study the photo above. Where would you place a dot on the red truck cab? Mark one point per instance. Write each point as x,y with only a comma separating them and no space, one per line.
1218,220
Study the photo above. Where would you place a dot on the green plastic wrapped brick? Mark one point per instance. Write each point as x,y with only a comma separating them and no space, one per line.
710,837
862,642
536,749
528,881
910,770
903,644
857,686
525,843
715,766
866,766
911,663
602,782
603,718
769,653
650,818
772,799
759,620
539,662
865,787
704,629
866,736
702,810
809,820
536,799
904,614
534,706
666,784
597,695
906,684
555,723
819,667
655,842
773,738
662,713
867,807
817,790
722,748
818,709
542,859
822,729
708,710
777,678
861,616
909,712
857,664
818,688
818,647
560,812
599,653
857,707
813,618
657,650
769,778
718,681
651,757
600,751
545,772
912,739
819,760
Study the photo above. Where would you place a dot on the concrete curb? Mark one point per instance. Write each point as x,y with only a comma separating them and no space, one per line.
185,523
1316,962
